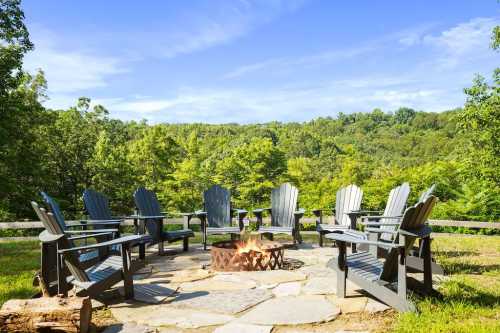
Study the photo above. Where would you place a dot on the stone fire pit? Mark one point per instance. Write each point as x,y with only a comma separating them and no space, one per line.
251,255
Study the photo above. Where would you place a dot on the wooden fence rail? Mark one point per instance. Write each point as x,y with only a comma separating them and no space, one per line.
129,222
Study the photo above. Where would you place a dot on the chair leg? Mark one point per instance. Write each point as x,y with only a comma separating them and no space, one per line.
426,252
320,239
142,251
341,271
128,282
161,248
185,244
402,269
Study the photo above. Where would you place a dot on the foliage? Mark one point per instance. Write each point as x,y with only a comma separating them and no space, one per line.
65,151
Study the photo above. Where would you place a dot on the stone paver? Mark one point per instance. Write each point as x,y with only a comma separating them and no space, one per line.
243,328
350,304
164,315
320,286
226,302
270,277
287,289
189,275
213,284
129,328
182,292
291,310
148,291
374,306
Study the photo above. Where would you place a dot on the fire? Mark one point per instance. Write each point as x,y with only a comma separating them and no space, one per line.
252,244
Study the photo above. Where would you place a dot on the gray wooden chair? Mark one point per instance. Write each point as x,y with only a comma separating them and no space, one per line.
97,225
151,219
347,199
62,263
394,208
386,278
217,216
97,208
285,217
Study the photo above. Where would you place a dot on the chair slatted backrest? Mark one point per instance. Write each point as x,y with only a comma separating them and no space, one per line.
283,205
395,206
54,209
427,193
147,203
414,218
217,204
53,227
96,205
347,199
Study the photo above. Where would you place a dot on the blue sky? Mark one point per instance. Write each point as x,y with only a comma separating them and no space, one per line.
256,61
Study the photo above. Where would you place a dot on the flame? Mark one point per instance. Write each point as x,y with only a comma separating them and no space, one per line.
251,244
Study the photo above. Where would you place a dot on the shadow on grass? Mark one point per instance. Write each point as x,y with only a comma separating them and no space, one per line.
468,268
458,291
455,254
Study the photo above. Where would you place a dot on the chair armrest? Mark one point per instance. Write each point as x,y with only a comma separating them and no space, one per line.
121,240
261,210
422,232
200,213
90,232
381,231
351,239
299,213
240,212
91,236
319,211
362,211
380,223
145,217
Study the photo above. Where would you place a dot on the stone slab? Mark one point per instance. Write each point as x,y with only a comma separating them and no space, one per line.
165,315
243,328
189,275
350,304
270,277
320,286
292,310
287,289
129,328
213,284
226,302
374,306
150,292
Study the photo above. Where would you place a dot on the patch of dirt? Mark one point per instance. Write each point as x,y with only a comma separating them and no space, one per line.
379,322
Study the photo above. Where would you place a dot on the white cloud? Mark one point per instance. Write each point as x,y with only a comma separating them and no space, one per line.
465,42
297,104
312,60
230,21
69,70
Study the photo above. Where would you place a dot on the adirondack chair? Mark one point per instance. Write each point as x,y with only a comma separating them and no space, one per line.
347,199
151,219
285,216
394,209
377,276
96,225
217,216
109,228
97,207
63,262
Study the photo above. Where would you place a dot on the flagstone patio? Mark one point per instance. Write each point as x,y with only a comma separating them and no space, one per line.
179,292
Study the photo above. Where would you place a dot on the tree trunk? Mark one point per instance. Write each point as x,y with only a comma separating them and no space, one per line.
54,314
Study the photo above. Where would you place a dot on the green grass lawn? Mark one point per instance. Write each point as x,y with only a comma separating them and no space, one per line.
470,302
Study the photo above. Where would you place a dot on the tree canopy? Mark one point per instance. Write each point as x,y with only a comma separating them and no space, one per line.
65,151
